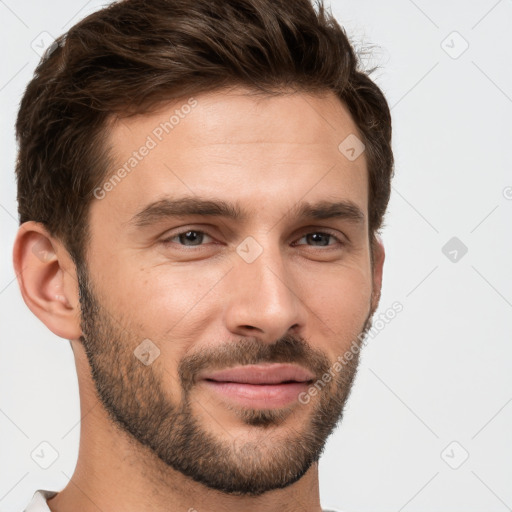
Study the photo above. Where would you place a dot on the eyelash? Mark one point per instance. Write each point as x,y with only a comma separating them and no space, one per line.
168,241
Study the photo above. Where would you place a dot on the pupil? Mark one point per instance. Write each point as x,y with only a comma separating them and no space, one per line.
192,236
317,237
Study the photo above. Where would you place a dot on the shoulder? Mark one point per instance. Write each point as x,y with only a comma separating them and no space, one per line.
38,501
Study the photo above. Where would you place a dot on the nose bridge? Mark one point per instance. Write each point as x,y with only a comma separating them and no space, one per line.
264,297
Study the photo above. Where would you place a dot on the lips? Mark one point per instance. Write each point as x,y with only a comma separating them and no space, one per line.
262,374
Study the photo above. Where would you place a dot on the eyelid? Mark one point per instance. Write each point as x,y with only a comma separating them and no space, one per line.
324,229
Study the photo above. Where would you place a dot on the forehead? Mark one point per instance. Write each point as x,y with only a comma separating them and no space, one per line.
257,150
239,116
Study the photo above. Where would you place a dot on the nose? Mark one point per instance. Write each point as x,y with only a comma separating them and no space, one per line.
263,298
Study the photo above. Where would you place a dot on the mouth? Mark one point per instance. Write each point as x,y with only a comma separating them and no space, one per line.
266,386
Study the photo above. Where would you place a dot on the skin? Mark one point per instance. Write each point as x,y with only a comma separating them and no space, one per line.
206,307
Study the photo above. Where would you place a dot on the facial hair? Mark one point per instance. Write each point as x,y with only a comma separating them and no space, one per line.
139,404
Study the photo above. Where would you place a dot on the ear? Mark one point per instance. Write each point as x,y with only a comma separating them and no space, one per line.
378,264
47,279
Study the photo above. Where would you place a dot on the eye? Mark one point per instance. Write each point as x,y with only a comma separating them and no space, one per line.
320,239
190,238
198,238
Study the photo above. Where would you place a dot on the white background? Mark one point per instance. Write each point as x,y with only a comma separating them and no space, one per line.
441,370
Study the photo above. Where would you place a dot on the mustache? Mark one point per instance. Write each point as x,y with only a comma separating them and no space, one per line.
287,349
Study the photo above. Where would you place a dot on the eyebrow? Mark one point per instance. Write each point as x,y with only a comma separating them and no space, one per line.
188,206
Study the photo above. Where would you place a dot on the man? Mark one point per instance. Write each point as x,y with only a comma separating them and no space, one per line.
200,189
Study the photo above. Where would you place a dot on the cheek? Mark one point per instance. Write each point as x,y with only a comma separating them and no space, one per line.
340,303
164,300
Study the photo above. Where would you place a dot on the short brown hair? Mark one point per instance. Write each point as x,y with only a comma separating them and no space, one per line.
130,56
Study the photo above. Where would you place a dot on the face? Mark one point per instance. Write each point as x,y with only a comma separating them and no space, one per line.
228,271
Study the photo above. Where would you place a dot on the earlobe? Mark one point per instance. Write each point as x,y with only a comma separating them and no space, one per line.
47,281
